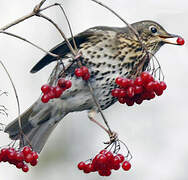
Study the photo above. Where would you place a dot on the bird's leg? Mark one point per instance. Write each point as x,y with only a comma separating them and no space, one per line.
91,116
113,135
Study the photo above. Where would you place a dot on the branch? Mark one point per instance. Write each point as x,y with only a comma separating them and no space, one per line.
33,13
19,37
60,31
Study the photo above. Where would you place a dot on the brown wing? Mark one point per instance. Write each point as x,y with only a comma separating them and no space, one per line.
61,49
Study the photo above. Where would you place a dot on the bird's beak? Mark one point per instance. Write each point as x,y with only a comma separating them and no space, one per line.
168,36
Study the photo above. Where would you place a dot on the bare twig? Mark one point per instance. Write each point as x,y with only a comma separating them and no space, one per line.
60,31
19,37
17,99
17,21
15,92
33,13
23,18
72,36
117,15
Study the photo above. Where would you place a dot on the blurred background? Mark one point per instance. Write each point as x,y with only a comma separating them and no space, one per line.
155,132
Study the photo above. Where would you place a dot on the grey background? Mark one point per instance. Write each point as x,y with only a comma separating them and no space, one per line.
156,132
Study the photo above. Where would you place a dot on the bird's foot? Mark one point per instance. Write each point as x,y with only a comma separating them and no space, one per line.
113,137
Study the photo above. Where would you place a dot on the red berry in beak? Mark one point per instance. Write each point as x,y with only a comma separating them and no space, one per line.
180,41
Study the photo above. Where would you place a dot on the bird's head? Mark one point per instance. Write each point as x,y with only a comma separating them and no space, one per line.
153,35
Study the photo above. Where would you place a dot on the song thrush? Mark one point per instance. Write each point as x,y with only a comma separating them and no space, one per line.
108,52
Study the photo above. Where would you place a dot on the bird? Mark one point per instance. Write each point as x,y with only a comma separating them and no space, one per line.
108,52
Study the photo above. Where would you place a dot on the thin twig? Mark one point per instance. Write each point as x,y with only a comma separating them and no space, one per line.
16,94
33,13
68,22
17,21
117,15
19,37
23,18
60,31
18,103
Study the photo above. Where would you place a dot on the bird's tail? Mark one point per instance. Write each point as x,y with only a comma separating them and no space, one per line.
37,125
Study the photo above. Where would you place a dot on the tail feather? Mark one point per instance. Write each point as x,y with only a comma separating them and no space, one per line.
37,124
38,136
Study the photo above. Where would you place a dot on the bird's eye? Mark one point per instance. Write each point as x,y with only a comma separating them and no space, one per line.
153,29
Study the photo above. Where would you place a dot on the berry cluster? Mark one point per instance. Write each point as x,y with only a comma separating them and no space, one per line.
104,162
50,92
82,72
180,41
19,158
142,88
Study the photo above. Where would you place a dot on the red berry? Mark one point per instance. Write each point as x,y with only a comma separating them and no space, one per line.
115,92
101,172
86,77
107,173
150,86
163,85
104,151
1,157
84,70
116,166
28,158
45,88
122,93
119,80
130,102
126,165
19,156
34,162
109,156
45,98
11,155
26,150
3,151
110,160
180,41
146,77
68,84
51,94
91,167
125,82
139,100
138,81
122,158
57,91
151,95
122,100
78,72
102,159
130,92
158,90
25,168
81,165
35,155
61,83
131,82
87,169
19,165
138,89
116,160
